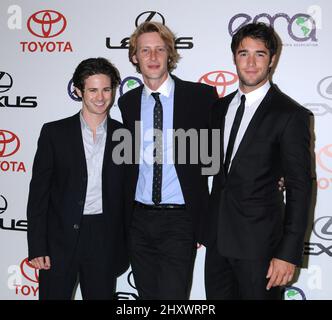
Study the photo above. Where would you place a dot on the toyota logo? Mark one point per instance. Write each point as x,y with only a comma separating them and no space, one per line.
6,81
324,158
29,271
323,228
148,16
9,143
324,87
46,24
219,79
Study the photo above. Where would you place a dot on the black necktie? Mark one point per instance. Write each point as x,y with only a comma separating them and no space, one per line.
158,149
234,130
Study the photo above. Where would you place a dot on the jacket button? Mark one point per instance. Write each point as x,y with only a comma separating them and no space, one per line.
80,203
76,226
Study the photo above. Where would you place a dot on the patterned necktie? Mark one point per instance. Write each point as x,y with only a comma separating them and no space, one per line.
158,149
234,130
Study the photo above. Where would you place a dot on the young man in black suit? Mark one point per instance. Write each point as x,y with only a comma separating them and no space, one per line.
254,240
166,201
76,200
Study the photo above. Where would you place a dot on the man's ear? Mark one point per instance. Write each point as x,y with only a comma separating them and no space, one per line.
135,59
272,61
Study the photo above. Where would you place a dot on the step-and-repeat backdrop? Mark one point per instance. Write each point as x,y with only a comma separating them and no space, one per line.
43,41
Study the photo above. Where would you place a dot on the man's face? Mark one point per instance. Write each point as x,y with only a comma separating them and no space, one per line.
152,57
97,94
252,60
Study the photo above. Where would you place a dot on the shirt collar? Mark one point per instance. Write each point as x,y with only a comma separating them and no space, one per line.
101,127
255,95
165,89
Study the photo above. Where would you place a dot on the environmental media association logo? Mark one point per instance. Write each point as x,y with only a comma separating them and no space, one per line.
294,293
129,83
220,79
46,24
301,27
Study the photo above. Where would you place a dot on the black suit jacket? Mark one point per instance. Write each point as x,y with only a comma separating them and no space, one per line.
248,217
192,106
57,195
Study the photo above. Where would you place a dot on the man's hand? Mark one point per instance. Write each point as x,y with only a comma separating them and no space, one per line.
41,263
281,184
280,273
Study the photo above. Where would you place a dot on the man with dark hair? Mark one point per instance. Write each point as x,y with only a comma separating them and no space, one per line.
166,202
76,204
254,240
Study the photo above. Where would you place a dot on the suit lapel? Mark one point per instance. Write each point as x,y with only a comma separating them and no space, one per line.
77,144
252,127
180,105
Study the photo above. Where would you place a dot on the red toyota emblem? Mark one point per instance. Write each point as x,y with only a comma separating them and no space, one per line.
324,158
9,143
219,79
47,23
28,271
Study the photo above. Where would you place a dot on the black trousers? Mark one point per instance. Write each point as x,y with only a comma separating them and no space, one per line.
89,267
162,251
237,279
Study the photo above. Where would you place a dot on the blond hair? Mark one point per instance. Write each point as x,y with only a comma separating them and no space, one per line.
166,35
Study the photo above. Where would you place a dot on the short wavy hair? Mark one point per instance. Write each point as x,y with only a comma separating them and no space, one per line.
93,66
166,35
259,31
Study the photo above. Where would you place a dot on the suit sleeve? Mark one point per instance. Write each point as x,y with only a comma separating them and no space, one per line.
296,162
39,195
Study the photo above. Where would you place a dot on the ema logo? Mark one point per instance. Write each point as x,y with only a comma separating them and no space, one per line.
129,83
294,293
9,145
301,27
128,295
180,42
219,79
46,24
6,82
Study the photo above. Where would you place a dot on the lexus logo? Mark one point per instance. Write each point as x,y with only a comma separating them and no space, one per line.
3,204
9,143
324,158
6,81
219,79
148,16
28,271
46,24
324,87
323,228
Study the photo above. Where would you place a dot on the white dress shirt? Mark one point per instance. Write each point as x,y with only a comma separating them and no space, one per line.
253,100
